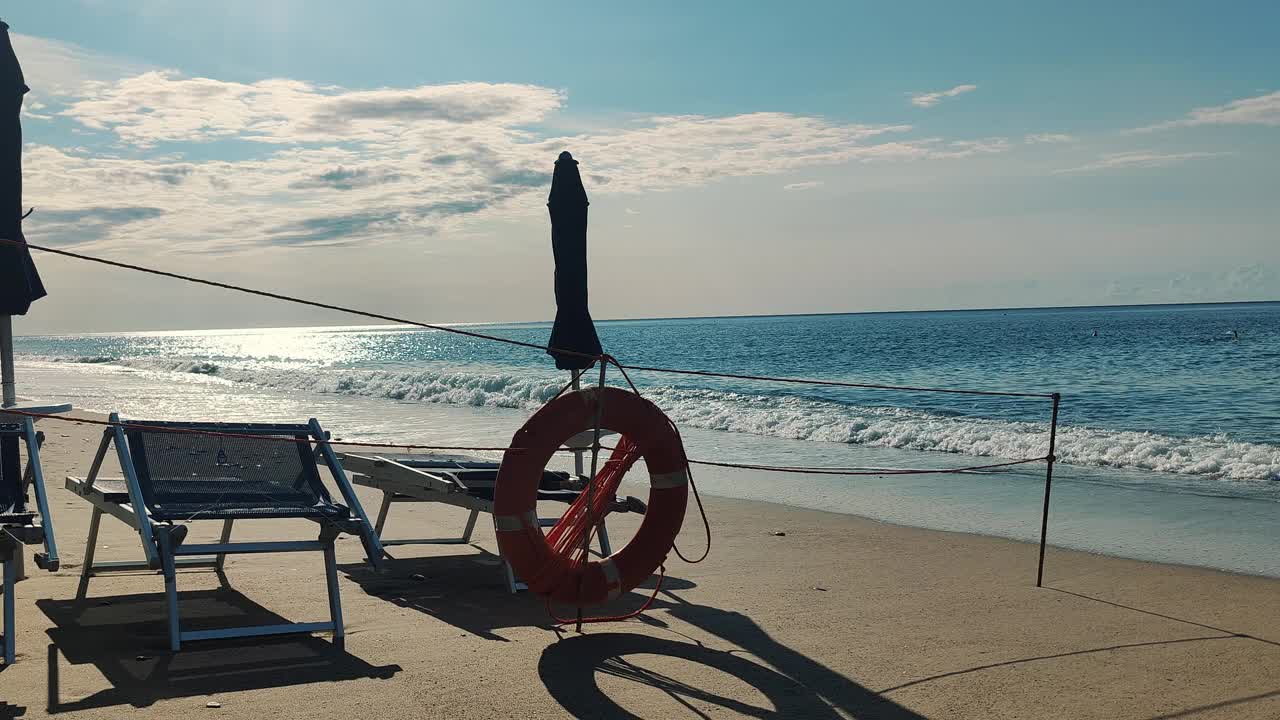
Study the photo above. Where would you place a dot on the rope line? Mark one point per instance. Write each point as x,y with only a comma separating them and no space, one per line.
175,430
868,471
296,300
804,470
833,383
509,341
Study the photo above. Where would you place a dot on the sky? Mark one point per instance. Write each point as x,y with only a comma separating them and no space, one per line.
740,158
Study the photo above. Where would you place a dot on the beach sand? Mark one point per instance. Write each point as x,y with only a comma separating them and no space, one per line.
839,617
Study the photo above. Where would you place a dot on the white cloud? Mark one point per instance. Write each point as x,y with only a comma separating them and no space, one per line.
1048,138
1260,110
52,67
328,165
930,99
630,211
163,107
1139,159
803,185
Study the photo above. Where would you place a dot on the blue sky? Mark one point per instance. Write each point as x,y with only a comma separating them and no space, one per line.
740,157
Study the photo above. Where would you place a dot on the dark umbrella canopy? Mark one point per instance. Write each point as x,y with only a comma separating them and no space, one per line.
19,282
574,329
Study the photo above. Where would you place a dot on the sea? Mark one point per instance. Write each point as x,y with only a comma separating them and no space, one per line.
1168,439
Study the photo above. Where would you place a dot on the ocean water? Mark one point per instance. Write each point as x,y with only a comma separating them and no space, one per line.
1169,439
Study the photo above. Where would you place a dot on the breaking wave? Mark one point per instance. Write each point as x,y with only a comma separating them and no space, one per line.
781,416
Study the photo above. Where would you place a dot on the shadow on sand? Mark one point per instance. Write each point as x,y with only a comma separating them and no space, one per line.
466,591
125,638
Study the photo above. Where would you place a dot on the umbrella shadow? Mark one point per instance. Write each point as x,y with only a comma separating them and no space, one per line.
126,639
10,712
801,687
794,684
469,592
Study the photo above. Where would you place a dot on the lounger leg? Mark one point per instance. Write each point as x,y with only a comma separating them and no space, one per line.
222,557
86,570
605,548
471,526
514,584
335,600
509,576
382,513
10,575
19,561
170,571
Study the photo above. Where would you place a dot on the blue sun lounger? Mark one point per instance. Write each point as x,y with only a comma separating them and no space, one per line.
18,525
177,473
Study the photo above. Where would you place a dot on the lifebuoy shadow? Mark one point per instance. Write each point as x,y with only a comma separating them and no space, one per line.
570,670
795,684
467,591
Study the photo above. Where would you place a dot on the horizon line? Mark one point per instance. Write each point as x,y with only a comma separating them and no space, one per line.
380,326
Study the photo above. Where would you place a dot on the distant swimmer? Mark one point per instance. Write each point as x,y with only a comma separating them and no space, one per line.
1235,336
1095,333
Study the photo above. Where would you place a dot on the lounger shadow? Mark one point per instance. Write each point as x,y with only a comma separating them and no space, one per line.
119,637
458,589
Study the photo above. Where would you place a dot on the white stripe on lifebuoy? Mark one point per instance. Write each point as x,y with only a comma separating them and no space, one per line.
509,523
611,576
669,480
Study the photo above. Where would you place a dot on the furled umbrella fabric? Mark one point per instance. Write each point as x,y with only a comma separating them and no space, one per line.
574,329
19,282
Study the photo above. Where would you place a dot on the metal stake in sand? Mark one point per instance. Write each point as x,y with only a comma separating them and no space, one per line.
1048,488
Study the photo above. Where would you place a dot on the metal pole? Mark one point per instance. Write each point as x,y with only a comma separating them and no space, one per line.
595,459
1048,487
6,360
577,453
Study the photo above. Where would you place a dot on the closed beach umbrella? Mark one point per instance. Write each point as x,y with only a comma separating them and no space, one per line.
19,282
574,329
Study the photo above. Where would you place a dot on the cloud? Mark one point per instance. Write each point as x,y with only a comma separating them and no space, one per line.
84,225
310,164
930,99
160,106
1048,138
341,178
809,185
53,67
631,211
1139,159
1260,110
1256,281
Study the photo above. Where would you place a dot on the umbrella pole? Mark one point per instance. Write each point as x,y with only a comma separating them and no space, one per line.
10,399
578,452
6,360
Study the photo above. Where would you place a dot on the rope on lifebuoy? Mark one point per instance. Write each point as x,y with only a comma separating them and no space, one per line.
566,576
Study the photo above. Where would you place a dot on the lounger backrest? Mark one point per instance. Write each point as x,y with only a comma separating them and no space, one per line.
262,466
12,499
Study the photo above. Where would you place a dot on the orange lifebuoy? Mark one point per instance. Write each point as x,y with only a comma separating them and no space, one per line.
516,493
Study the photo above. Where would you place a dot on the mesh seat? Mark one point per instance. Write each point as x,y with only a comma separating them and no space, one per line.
481,476
184,475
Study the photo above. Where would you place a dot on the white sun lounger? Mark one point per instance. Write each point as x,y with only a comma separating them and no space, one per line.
461,481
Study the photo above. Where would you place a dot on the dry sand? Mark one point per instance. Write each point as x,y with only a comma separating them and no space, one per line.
841,617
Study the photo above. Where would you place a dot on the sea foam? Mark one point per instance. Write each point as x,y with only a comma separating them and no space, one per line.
782,416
